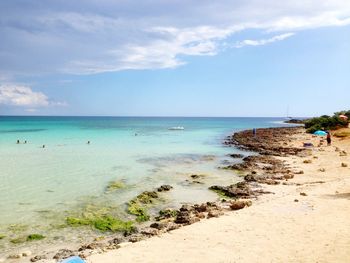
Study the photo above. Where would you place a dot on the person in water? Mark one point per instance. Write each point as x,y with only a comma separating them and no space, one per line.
17,141
329,139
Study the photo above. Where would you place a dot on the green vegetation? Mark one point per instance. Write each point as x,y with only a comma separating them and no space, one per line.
16,228
18,240
168,213
114,185
140,212
147,197
103,223
220,193
326,123
33,237
2,237
137,207
344,112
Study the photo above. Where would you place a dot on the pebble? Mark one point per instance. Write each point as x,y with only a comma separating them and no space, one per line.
26,253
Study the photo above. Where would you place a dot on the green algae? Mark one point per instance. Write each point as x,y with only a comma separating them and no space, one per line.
168,213
147,197
220,193
140,212
2,236
115,185
137,205
103,223
33,237
17,228
18,240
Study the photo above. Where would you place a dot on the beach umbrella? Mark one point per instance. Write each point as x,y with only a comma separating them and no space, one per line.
74,259
320,133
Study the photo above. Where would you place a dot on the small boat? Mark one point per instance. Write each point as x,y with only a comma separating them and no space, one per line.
178,128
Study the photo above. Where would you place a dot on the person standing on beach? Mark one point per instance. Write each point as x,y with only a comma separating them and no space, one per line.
329,140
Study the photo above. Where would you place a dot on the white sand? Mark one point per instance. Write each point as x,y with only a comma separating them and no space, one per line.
274,229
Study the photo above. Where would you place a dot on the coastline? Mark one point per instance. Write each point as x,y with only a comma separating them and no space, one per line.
272,180
304,220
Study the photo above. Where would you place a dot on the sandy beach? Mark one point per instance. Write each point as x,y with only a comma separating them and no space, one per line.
305,220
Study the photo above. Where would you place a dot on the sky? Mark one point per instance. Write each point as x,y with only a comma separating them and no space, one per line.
174,58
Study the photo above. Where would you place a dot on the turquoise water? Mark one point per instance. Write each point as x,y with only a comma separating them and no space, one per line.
40,186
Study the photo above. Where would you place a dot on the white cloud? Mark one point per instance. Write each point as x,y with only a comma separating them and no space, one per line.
118,35
23,96
262,42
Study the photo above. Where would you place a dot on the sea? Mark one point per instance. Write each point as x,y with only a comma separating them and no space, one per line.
55,167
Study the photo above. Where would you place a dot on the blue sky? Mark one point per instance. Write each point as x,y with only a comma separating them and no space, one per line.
174,58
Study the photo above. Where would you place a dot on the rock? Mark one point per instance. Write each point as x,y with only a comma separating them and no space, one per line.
200,215
296,200
158,226
166,214
344,165
236,155
63,253
115,241
195,176
37,258
136,238
239,204
239,190
26,253
201,208
303,194
186,208
172,226
150,231
299,172
147,197
307,161
91,246
288,176
322,170
183,217
214,213
164,187
343,153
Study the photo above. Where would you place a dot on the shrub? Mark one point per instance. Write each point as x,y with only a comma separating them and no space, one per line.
325,123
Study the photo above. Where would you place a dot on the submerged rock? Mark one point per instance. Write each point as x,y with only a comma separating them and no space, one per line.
236,155
164,187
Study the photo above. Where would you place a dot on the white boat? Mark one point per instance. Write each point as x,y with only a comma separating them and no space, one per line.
178,128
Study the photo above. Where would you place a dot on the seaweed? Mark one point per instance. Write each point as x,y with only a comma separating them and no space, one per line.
33,237
103,223
114,185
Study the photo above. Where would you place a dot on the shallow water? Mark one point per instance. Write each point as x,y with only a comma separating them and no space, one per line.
39,186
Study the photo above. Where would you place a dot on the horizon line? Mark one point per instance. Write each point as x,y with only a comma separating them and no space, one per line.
150,116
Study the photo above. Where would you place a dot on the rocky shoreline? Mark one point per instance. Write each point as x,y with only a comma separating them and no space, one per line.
256,170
